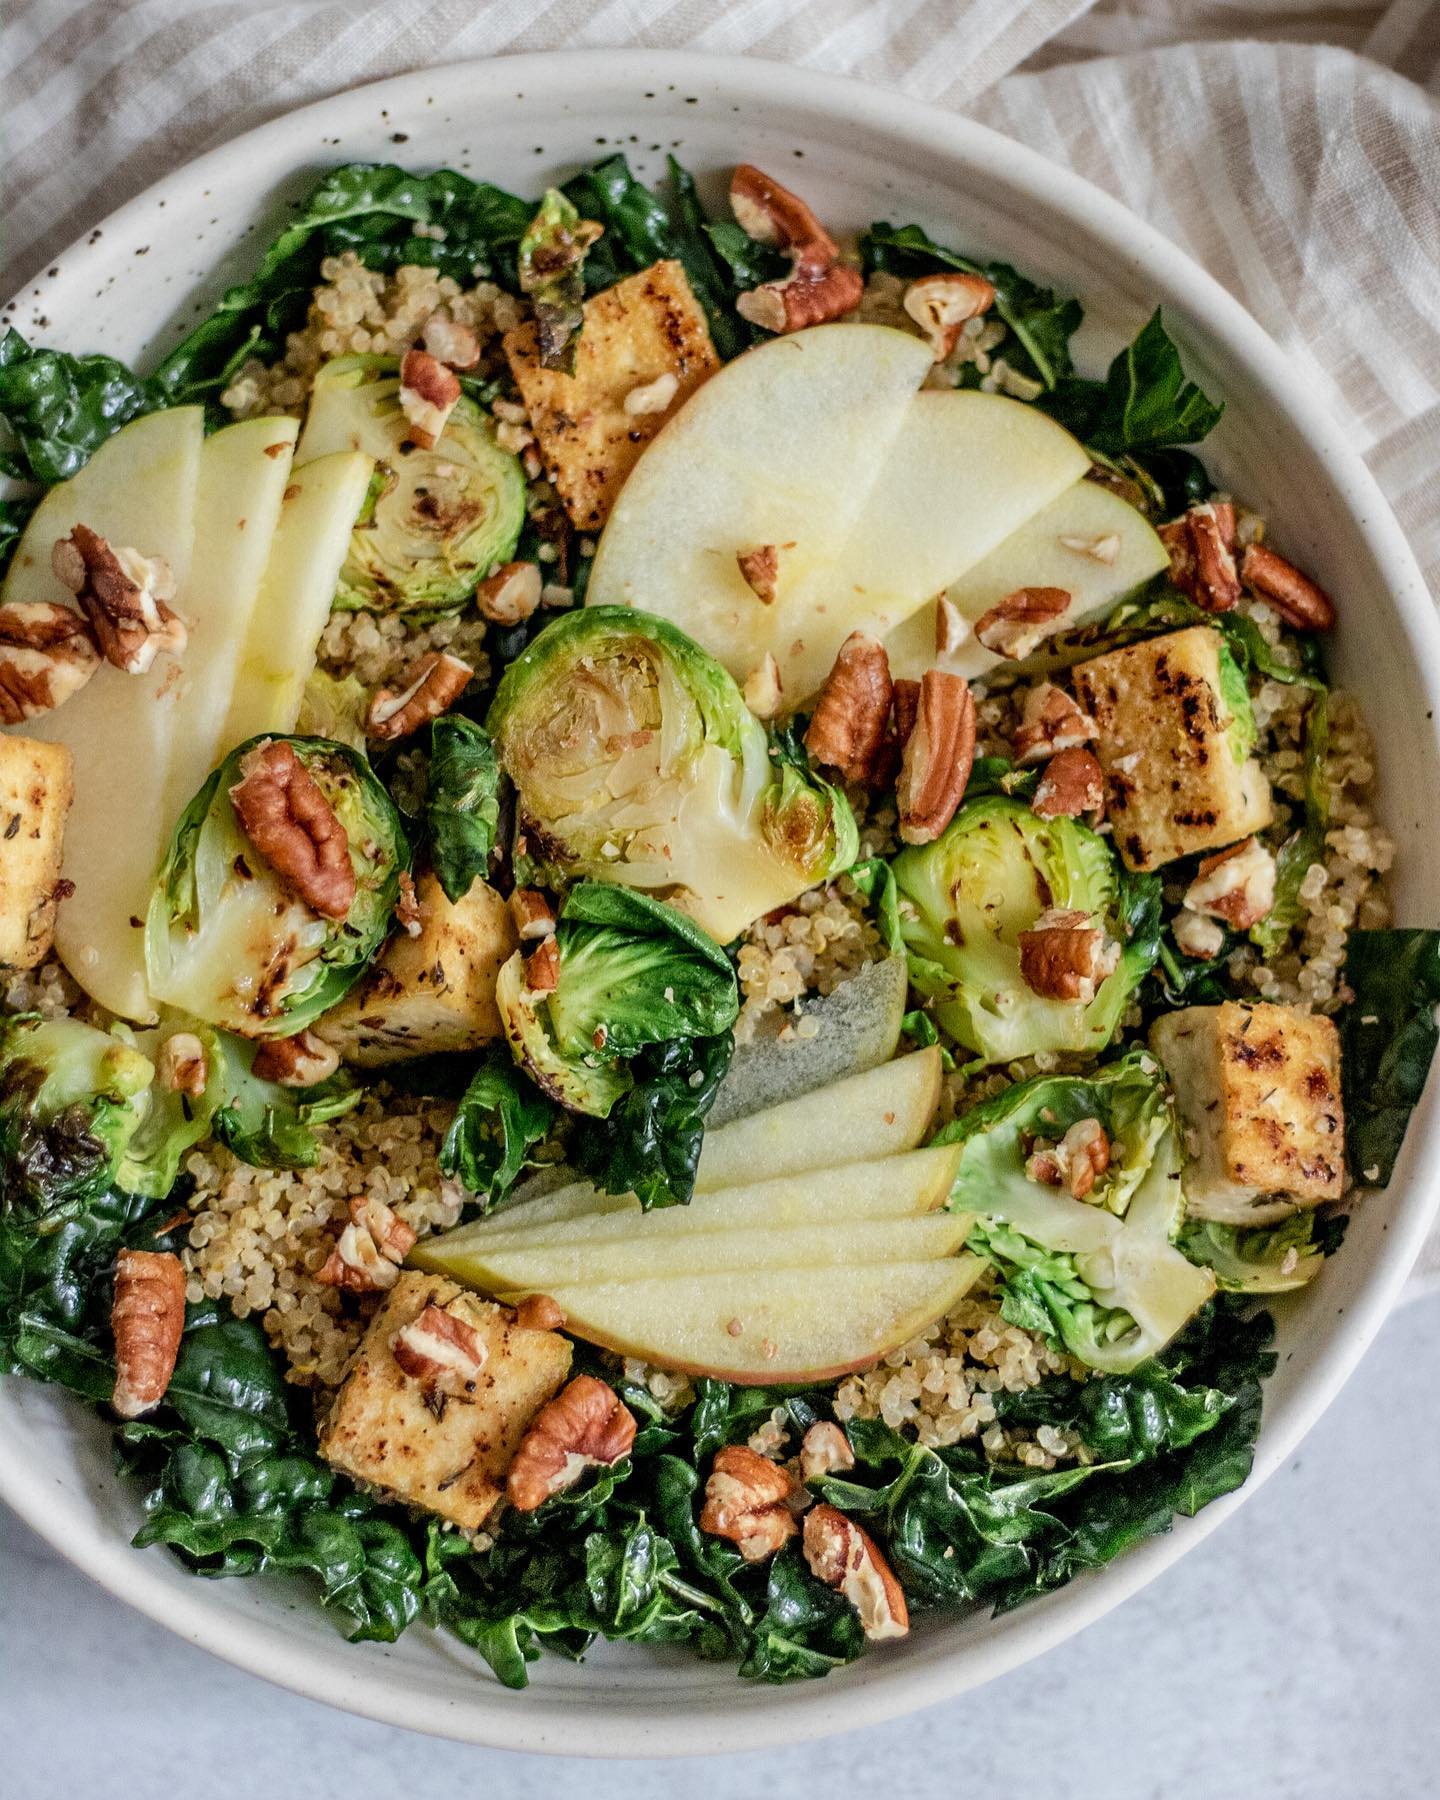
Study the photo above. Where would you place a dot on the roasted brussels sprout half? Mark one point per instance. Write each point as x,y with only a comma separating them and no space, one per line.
965,900
636,760
436,522
1100,1275
1259,1259
229,940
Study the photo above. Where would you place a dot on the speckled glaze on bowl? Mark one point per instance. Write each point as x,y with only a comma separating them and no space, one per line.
135,284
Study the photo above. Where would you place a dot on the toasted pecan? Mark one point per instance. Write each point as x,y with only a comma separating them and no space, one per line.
938,756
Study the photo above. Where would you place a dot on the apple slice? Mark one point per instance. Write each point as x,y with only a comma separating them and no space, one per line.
895,1187
646,1255
768,1325
139,491
244,471
780,447
879,1113
1088,541
311,542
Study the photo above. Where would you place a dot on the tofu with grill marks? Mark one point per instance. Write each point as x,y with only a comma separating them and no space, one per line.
1173,784
448,1455
648,326
36,789
1258,1093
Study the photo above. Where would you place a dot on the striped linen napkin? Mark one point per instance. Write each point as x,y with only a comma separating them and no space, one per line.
1292,147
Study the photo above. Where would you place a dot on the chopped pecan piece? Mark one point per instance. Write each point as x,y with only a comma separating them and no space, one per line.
655,396
147,1319
290,822
1052,720
181,1065
298,1061
844,1557
1297,599
538,1312
952,628
441,1350
585,1426
511,594
46,654
760,569
1022,621
1201,543
762,688
123,594
747,1501
542,967
432,686
1075,1163
1103,549
938,756
818,287
1065,955
1197,937
1237,885
454,345
369,1251
1072,786
823,1450
428,392
409,915
850,726
533,914
941,305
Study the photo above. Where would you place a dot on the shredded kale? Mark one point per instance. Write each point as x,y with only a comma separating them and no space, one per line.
1388,1035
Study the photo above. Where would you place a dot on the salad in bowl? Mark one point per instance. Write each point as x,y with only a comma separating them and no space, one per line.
686,931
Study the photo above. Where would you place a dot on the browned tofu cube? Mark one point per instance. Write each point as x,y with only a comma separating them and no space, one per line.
1177,776
447,1453
430,993
1258,1093
36,788
644,349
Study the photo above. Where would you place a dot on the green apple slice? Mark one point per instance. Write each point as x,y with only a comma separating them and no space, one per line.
139,491
768,1325
879,1113
311,542
1088,541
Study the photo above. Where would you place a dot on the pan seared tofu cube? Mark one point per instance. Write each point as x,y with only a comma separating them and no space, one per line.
36,789
1258,1093
645,342
445,1452
432,992
1178,777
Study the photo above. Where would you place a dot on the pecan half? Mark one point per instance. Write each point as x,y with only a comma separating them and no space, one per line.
938,756
585,1426
844,1557
533,914
1201,543
123,594
1297,599
1051,720
818,288
652,397
762,688
850,726
454,345
298,1061
147,1319
941,305
760,569
1236,885
1022,621
181,1065
46,654
432,686
441,1350
428,392
369,1251
823,1450
907,707
290,822
511,594
747,1501
1197,937
1065,955
542,967
1071,786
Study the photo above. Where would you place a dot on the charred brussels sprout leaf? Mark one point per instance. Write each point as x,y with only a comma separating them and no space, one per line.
229,943
72,1098
552,272
500,1119
462,803
636,761
265,1124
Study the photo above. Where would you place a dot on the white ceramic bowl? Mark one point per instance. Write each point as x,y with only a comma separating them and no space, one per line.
858,154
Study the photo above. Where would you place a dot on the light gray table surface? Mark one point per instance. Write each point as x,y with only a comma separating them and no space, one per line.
1294,1656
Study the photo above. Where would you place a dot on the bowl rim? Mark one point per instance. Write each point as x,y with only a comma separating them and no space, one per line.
871,1691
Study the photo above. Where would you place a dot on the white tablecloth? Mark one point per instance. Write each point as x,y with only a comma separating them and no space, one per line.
1292,148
